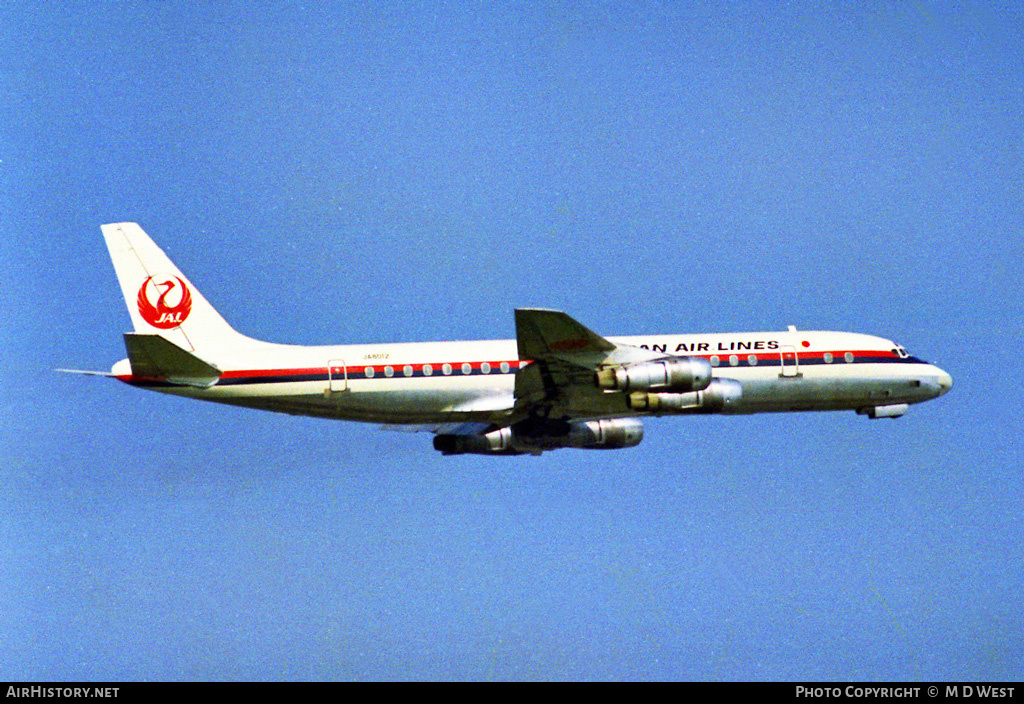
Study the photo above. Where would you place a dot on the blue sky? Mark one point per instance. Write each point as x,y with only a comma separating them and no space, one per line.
344,173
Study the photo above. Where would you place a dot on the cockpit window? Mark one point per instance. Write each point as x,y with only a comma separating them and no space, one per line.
901,352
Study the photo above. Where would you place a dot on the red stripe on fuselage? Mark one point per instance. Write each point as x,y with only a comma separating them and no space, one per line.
436,367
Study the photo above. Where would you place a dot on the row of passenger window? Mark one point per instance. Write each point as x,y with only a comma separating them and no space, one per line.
504,367
752,360
446,369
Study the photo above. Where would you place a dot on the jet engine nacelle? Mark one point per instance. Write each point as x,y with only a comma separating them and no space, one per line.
604,434
497,442
721,396
673,374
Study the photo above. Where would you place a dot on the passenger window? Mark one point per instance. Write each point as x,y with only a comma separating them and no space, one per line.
389,372
370,372
407,370
446,369
848,357
427,370
485,368
752,360
733,360
504,367
828,358
715,361
467,368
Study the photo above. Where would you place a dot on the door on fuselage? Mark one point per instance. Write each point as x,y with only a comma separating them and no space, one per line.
337,376
789,358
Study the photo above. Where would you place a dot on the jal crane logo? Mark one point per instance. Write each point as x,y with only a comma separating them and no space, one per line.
163,314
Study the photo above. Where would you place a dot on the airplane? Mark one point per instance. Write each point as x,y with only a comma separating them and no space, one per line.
556,385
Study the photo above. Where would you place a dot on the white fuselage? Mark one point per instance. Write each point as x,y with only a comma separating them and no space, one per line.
442,382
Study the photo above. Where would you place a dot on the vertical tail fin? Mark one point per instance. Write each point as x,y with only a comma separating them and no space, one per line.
161,299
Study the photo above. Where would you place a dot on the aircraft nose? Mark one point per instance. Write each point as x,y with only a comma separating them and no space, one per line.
945,382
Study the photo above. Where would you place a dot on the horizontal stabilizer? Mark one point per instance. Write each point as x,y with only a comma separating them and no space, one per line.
158,357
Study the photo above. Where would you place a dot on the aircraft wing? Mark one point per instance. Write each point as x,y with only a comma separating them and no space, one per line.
546,333
466,428
565,355
556,388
